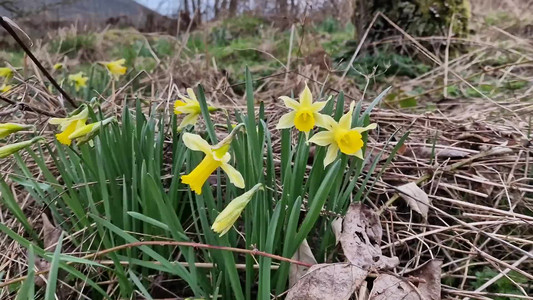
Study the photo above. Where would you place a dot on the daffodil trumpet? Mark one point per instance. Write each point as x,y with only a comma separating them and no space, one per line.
9,128
215,157
79,80
116,68
7,150
6,72
70,124
227,217
304,115
189,106
339,136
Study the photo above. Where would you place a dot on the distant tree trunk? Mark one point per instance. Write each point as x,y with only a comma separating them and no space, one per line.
186,5
416,17
294,7
233,7
282,7
216,9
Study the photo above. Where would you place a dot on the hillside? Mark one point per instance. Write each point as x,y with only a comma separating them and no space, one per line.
76,10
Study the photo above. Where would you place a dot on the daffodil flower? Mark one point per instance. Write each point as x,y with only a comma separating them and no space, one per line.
215,157
189,106
87,132
6,72
79,80
69,125
9,128
231,213
5,88
340,136
58,66
305,113
7,150
116,67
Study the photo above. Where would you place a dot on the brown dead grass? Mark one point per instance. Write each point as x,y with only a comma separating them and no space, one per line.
479,180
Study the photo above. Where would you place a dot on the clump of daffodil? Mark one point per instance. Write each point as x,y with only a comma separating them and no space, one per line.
87,132
7,150
58,66
5,88
6,72
304,115
231,213
116,68
340,136
79,80
9,128
189,106
215,157
70,124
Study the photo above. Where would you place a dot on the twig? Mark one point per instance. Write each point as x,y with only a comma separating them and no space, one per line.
10,30
171,243
359,46
29,107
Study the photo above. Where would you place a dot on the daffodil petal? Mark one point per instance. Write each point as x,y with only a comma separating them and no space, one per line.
192,95
367,128
331,154
290,103
234,176
326,121
318,106
196,143
306,97
346,119
286,121
322,138
189,119
359,154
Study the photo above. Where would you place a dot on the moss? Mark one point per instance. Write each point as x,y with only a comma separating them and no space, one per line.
416,17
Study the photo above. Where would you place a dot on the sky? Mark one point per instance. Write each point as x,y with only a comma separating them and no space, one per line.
162,6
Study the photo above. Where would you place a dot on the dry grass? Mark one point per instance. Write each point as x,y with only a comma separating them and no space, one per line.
471,156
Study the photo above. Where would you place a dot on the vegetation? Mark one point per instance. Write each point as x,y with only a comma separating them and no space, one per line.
233,159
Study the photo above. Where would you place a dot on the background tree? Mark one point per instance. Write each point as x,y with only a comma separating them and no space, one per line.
416,17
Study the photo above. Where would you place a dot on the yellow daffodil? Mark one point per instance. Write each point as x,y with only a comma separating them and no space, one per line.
9,128
116,68
79,80
58,66
340,136
6,72
87,132
5,88
7,150
189,106
305,113
231,213
215,157
69,125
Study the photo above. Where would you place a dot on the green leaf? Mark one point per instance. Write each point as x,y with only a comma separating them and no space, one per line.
54,270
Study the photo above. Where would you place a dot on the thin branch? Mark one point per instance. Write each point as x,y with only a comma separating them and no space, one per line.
171,243
15,36
23,106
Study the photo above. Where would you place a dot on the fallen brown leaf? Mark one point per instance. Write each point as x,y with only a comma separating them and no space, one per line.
361,239
389,287
328,282
336,227
415,197
429,287
303,254
50,233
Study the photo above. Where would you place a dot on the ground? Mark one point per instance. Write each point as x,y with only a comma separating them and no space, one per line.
448,169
